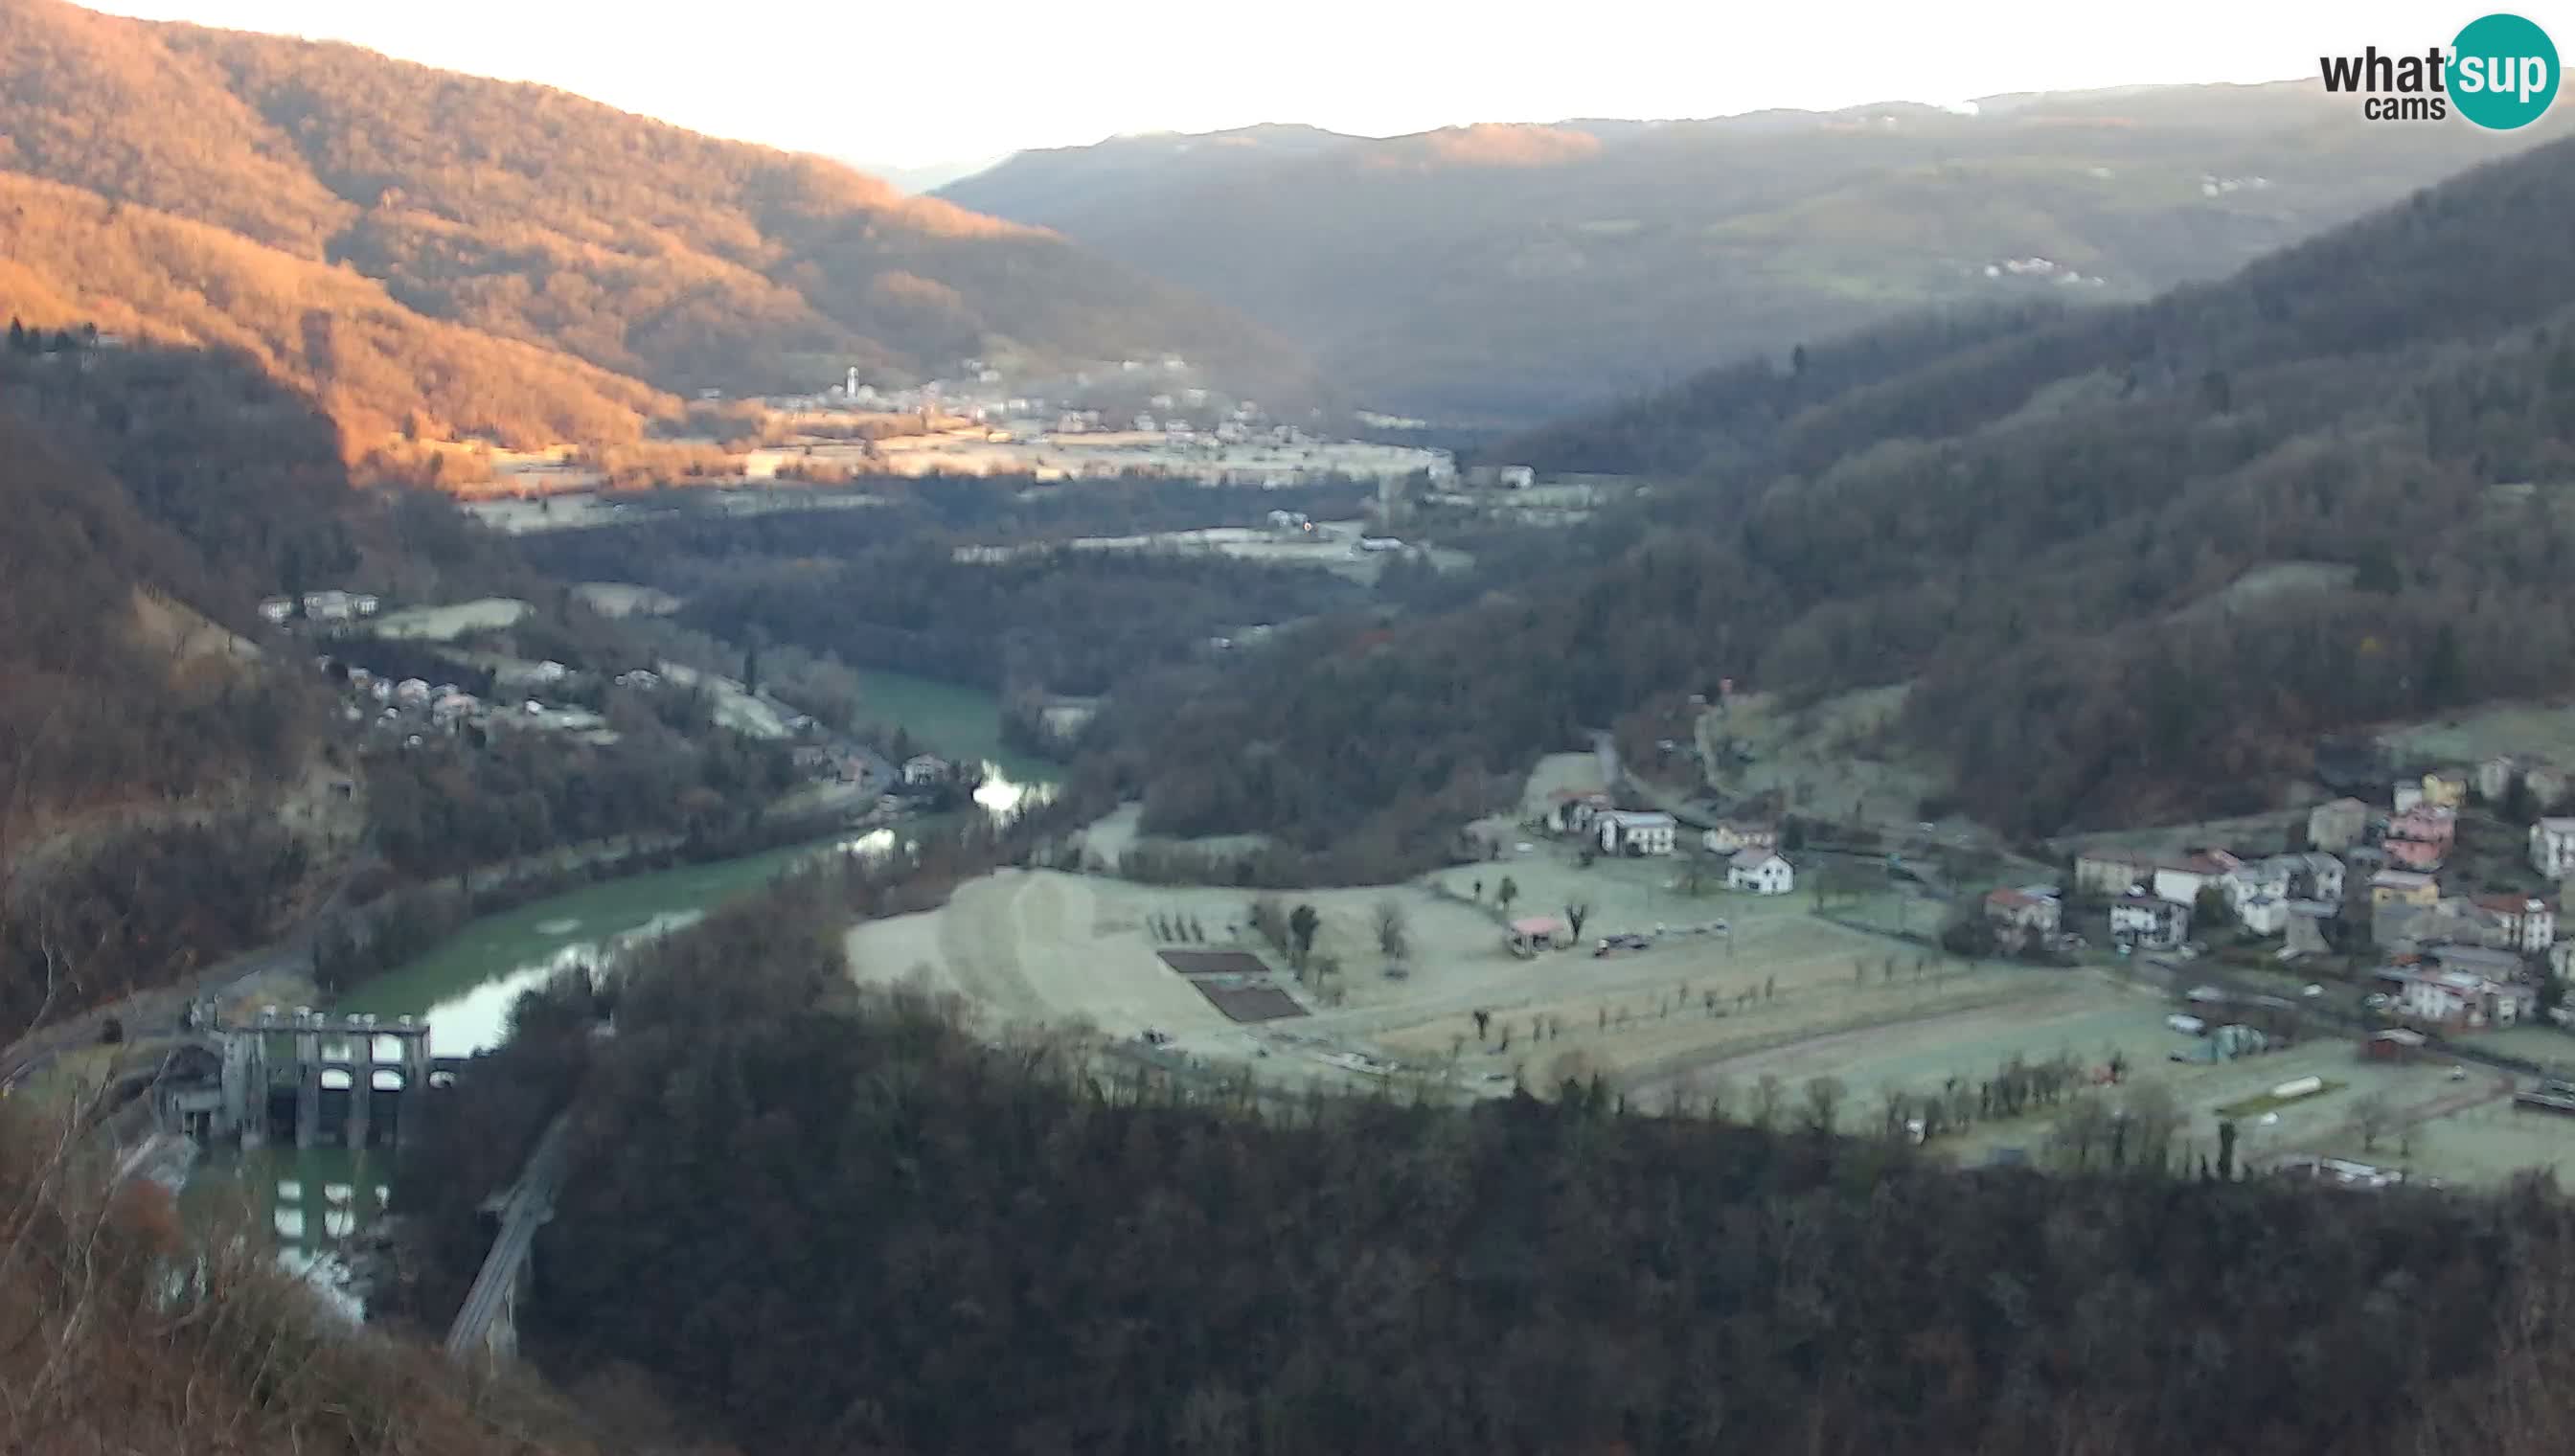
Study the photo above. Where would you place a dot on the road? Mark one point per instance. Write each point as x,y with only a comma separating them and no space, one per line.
528,1205
225,979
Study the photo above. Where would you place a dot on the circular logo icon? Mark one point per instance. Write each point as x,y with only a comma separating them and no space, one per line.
2503,72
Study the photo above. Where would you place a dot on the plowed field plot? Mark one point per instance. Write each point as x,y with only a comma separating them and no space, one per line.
1247,1002
1234,983
1213,962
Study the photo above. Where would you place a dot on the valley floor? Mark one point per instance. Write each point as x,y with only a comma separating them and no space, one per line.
1779,993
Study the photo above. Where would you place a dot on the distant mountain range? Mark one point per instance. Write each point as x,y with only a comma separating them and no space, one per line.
505,259
1490,273
914,181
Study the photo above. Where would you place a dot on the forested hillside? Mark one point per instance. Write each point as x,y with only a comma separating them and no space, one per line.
1086,181
408,239
72,257
2012,516
183,481
925,1243
1497,273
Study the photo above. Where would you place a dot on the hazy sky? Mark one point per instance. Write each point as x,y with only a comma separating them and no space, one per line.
911,84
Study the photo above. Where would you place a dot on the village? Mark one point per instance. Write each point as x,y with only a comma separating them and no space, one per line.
2360,993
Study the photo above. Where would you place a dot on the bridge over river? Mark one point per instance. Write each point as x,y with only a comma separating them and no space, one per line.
488,1322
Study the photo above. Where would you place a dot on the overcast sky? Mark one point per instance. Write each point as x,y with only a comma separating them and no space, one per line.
908,83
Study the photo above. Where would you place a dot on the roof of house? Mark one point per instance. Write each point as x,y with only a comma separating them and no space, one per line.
2512,905
2400,880
2345,804
2477,957
2557,825
1538,924
2017,899
1755,858
1631,818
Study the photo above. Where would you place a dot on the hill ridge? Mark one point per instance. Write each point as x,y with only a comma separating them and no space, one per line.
527,212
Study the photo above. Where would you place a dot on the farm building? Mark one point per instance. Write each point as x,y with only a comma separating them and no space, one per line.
1530,935
1762,871
1629,832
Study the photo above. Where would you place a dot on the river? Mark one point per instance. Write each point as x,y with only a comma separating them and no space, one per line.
956,721
465,987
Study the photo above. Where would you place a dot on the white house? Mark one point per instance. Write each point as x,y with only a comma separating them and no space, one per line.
1761,872
2289,876
923,768
2552,847
2183,880
2561,960
2263,913
2457,998
1515,477
2529,925
2143,920
410,693
1571,811
2256,879
277,608
1627,832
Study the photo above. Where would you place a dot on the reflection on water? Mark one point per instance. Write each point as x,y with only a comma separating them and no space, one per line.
310,1204
1001,795
478,1017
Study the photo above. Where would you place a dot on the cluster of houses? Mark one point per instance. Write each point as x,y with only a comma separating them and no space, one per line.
325,607
412,707
2459,962
389,705
1751,849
